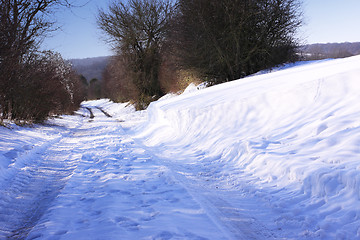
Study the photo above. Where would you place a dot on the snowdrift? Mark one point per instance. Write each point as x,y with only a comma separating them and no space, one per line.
294,133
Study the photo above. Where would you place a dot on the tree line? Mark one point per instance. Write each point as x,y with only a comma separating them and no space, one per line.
160,44
33,84
329,50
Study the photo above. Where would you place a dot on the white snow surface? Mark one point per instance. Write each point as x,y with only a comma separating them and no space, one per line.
271,156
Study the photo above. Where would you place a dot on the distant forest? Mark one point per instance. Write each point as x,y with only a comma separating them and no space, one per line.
92,68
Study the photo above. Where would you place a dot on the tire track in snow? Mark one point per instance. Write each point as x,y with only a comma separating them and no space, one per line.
34,184
104,112
118,191
90,112
237,223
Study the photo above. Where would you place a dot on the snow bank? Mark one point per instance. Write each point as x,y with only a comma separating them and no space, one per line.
294,132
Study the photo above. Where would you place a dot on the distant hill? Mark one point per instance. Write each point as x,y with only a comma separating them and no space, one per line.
90,67
330,50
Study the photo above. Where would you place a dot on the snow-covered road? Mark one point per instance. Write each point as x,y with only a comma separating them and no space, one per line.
28,192
92,181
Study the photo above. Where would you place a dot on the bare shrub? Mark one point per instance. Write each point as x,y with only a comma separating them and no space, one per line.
46,86
117,81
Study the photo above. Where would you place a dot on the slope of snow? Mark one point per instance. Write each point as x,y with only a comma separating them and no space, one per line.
291,137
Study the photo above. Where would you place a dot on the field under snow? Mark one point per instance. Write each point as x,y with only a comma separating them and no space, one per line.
272,156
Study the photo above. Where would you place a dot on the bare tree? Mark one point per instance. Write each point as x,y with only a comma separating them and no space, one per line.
48,86
23,24
137,31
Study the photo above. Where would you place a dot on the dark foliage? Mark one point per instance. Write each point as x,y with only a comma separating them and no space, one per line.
94,90
229,39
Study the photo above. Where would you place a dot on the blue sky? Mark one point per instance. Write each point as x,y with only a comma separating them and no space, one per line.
331,21
79,37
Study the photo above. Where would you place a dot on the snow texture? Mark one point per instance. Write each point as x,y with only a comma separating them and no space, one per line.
289,138
271,156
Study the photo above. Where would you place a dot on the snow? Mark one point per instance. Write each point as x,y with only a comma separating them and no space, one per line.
292,135
271,156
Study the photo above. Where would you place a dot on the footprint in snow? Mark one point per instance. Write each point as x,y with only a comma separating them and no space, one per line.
120,192
149,218
128,170
61,232
88,200
321,128
165,235
127,223
96,213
